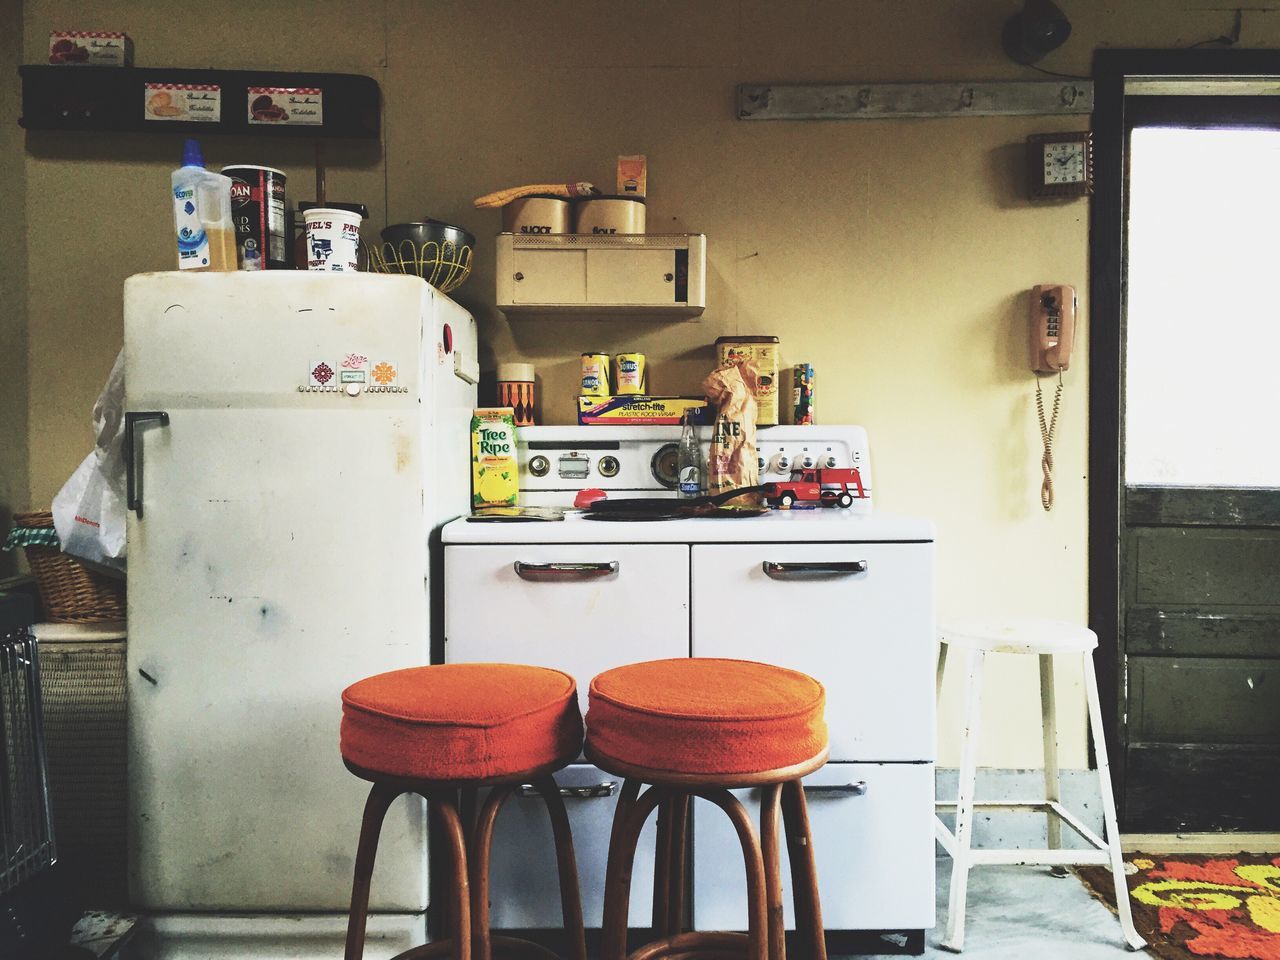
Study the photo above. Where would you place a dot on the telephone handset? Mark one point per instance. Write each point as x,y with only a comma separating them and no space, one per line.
1053,333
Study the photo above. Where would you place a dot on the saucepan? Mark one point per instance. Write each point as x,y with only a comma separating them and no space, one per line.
668,508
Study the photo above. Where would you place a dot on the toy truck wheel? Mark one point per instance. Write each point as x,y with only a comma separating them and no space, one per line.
845,499
786,500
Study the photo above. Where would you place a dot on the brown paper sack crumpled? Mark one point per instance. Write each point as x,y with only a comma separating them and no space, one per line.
732,388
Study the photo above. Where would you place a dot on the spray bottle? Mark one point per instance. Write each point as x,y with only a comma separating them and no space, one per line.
202,215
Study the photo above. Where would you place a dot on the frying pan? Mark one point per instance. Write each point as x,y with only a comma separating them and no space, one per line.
657,508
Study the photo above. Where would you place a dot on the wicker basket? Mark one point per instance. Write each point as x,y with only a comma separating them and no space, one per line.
70,591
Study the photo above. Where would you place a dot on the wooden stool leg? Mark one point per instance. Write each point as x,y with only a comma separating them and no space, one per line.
567,868
1049,731
678,861
770,827
481,845
753,859
662,869
811,937
1123,907
445,806
375,811
954,938
628,821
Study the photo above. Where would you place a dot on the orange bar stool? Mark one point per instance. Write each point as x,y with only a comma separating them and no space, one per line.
699,728
444,732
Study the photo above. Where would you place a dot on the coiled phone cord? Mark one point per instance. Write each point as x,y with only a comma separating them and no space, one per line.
1046,434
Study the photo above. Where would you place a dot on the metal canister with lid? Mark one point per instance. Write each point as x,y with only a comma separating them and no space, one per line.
630,374
515,390
595,375
257,210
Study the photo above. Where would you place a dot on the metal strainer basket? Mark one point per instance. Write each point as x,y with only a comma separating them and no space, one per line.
437,252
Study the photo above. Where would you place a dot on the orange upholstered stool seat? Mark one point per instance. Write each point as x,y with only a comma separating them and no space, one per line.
698,728
707,716
446,732
461,721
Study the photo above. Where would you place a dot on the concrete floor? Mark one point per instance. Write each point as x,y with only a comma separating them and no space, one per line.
1019,912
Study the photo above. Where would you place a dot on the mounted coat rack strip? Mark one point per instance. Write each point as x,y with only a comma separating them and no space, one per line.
200,102
886,101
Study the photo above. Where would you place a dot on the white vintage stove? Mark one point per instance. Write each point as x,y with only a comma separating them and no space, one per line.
846,595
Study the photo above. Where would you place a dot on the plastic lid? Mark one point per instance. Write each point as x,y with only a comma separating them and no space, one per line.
191,155
515,372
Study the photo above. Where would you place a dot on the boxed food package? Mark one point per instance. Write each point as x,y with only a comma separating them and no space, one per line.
495,479
763,354
90,48
637,409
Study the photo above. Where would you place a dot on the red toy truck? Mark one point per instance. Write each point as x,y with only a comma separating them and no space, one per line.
830,488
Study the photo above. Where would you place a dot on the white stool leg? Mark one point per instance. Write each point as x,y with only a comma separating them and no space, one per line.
954,939
1123,907
1049,730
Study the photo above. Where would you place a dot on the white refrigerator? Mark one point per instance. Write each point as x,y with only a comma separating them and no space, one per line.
294,442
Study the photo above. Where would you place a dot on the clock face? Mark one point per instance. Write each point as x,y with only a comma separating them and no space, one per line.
1064,162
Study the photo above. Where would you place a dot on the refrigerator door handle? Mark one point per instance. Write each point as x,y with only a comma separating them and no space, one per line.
133,455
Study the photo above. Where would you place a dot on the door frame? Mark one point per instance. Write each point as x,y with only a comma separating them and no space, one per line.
1111,68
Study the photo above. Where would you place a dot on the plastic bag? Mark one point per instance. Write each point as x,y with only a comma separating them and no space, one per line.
731,388
89,510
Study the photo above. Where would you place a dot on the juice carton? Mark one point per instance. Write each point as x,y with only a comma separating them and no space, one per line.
495,479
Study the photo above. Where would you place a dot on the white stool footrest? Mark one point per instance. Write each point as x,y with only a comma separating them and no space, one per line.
1046,858
1032,806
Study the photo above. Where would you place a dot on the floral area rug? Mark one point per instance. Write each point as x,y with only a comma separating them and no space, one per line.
1201,905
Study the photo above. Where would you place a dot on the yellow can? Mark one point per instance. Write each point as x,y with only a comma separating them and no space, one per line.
630,374
595,375
763,352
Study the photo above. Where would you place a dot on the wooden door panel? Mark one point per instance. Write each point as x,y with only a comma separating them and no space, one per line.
1173,787
1204,700
1197,633
1205,566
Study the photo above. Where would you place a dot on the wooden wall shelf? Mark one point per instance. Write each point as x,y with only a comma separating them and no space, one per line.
98,99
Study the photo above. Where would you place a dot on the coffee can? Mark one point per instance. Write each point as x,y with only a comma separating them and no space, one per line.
595,375
257,210
802,394
630,374
515,390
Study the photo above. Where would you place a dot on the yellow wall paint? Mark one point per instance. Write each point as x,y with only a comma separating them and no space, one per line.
894,255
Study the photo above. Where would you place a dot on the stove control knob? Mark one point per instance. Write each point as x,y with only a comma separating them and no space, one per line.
539,466
608,466
761,464
781,463
829,461
806,462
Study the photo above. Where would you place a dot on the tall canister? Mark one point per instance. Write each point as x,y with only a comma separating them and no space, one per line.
763,352
257,210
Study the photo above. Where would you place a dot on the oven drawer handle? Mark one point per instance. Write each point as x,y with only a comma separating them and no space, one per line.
573,572
813,571
856,789
606,788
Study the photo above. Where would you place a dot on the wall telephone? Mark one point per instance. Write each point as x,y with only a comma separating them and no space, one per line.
1053,333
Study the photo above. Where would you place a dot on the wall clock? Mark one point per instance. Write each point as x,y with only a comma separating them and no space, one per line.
1060,165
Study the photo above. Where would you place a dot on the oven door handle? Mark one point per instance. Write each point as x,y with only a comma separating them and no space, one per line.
606,788
856,789
566,572
822,570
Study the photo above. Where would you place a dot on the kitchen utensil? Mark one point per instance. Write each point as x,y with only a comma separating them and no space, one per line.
659,506
437,252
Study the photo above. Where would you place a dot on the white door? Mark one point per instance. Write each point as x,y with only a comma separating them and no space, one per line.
872,842
858,617
524,891
580,608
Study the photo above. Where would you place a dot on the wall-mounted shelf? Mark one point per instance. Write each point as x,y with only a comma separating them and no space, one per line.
96,99
638,275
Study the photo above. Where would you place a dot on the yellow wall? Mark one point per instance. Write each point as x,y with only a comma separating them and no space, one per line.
894,255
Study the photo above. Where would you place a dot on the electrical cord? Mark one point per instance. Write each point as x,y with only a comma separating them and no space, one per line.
1055,73
1047,429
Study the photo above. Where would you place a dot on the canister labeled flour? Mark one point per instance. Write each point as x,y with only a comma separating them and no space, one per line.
257,209
763,352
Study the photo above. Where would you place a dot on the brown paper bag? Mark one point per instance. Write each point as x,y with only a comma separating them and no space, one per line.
731,389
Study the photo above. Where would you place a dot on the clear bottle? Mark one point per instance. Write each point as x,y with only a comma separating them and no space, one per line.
203,229
691,462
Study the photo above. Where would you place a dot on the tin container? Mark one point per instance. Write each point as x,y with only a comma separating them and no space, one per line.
595,375
608,215
257,210
539,213
763,352
802,394
630,375
515,390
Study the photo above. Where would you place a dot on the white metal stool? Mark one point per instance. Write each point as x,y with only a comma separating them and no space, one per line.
1044,638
